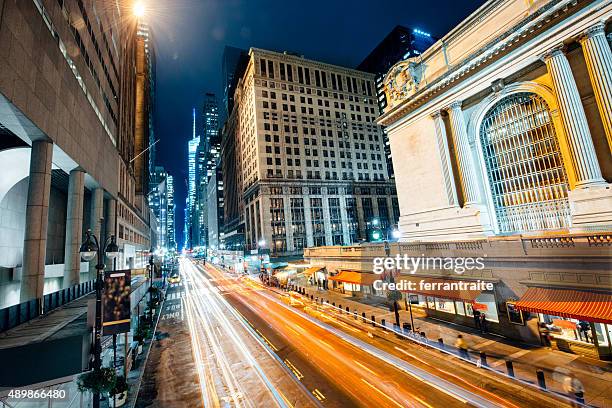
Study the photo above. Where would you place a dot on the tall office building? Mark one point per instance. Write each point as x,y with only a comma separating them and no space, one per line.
231,166
187,226
210,119
158,202
401,43
233,63
145,38
170,223
210,131
192,147
200,218
312,165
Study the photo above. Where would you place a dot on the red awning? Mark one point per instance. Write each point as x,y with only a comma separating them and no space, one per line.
576,304
357,278
462,295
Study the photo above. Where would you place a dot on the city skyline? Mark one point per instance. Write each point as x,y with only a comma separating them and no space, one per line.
305,204
186,70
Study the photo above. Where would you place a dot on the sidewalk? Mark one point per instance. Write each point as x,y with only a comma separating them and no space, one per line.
596,376
134,377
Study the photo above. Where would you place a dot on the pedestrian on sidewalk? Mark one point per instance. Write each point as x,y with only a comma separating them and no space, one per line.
483,323
545,335
574,389
462,346
477,319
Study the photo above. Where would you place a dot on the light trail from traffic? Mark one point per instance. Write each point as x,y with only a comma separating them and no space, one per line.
373,377
229,372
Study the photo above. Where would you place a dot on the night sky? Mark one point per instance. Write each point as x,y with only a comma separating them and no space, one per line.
190,36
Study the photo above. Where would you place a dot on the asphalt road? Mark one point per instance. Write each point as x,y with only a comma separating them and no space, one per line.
342,372
342,361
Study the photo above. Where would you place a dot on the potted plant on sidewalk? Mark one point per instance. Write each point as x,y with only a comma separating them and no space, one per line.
98,381
120,392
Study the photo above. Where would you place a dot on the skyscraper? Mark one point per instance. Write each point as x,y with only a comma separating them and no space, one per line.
192,147
171,211
233,65
158,202
401,43
203,158
210,119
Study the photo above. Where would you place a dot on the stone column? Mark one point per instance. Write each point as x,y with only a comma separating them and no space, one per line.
465,163
37,217
74,227
346,234
445,160
327,220
308,221
95,224
111,220
579,139
288,223
598,59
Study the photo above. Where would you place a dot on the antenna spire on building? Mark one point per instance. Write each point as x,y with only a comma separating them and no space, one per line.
194,123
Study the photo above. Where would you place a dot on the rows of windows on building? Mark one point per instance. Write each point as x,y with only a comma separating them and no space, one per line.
315,122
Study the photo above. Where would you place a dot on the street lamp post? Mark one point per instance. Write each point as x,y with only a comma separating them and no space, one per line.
394,292
260,245
89,249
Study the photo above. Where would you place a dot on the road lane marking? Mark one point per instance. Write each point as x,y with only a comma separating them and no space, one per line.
383,394
327,344
292,329
318,394
294,369
365,368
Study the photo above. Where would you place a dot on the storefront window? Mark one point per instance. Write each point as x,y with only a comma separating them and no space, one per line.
460,307
485,303
445,305
420,300
568,328
431,304
469,310
603,333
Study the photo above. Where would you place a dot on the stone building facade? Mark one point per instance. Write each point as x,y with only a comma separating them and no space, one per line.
66,120
503,127
312,165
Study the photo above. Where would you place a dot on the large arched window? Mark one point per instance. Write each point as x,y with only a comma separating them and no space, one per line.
524,165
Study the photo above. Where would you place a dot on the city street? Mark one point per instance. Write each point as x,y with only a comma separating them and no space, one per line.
305,204
348,367
228,362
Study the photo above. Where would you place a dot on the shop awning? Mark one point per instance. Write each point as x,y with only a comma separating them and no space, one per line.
576,304
440,288
354,277
311,270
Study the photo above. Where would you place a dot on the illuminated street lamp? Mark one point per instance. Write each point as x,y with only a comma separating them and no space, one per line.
260,245
396,234
139,9
89,249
